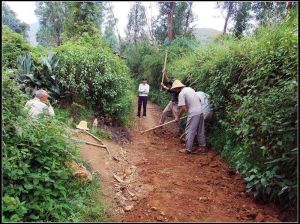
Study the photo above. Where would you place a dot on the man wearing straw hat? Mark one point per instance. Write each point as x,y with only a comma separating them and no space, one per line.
189,101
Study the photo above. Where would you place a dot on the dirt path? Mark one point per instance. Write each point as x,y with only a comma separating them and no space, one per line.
161,184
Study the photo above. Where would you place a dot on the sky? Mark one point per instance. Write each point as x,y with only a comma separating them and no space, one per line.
208,16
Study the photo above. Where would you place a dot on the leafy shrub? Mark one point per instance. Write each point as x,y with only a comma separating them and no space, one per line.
36,184
160,98
93,74
30,64
37,75
253,84
135,56
13,45
145,60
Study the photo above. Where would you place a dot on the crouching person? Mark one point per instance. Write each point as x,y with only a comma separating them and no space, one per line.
206,108
172,105
188,101
40,105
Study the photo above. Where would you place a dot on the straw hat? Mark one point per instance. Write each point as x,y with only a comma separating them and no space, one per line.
177,84
82,125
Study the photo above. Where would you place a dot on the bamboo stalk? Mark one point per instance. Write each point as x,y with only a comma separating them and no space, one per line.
150,129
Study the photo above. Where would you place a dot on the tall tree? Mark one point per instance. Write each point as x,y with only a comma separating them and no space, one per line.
269,12
229,8
170,20
241,18
10,19
109,25
51,17
111,38
189,16
136,23
173,20
82,17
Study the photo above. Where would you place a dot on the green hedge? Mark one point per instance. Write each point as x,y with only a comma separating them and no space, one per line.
13,45
36,184
253,84
93,74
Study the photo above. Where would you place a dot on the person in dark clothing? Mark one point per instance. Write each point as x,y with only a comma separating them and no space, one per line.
173,104
143,97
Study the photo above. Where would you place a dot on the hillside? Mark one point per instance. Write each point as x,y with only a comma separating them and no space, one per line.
205,35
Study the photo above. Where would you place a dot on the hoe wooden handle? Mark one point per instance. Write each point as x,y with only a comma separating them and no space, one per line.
158,126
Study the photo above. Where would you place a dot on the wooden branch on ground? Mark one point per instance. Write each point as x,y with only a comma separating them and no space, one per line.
98,139
150,129
89,143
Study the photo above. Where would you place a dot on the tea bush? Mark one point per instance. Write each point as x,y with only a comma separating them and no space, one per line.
93,74
36,184
13,45
253,84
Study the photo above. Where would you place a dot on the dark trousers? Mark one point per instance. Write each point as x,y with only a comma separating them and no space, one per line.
142,100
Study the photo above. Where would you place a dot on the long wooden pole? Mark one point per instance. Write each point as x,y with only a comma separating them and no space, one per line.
97,139
93,136
165,63
89,143
150,129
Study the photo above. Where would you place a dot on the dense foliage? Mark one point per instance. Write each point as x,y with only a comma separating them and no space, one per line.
36,183
81,17
253,84
93,74
182,17
52,16
9,18
13,45
136,23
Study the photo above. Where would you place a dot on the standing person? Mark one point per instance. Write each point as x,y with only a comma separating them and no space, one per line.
188,101
173,104
143,97
39,105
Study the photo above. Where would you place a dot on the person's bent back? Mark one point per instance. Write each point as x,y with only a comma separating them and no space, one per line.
39,105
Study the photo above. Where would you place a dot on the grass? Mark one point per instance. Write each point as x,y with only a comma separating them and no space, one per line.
102,134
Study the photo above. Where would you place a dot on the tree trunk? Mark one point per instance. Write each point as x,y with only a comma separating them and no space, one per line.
135,25
229,12
187,20
170,21
115,25
289,5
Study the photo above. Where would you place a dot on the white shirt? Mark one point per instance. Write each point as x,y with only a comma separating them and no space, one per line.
188,97
36,107
204,102
143,89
